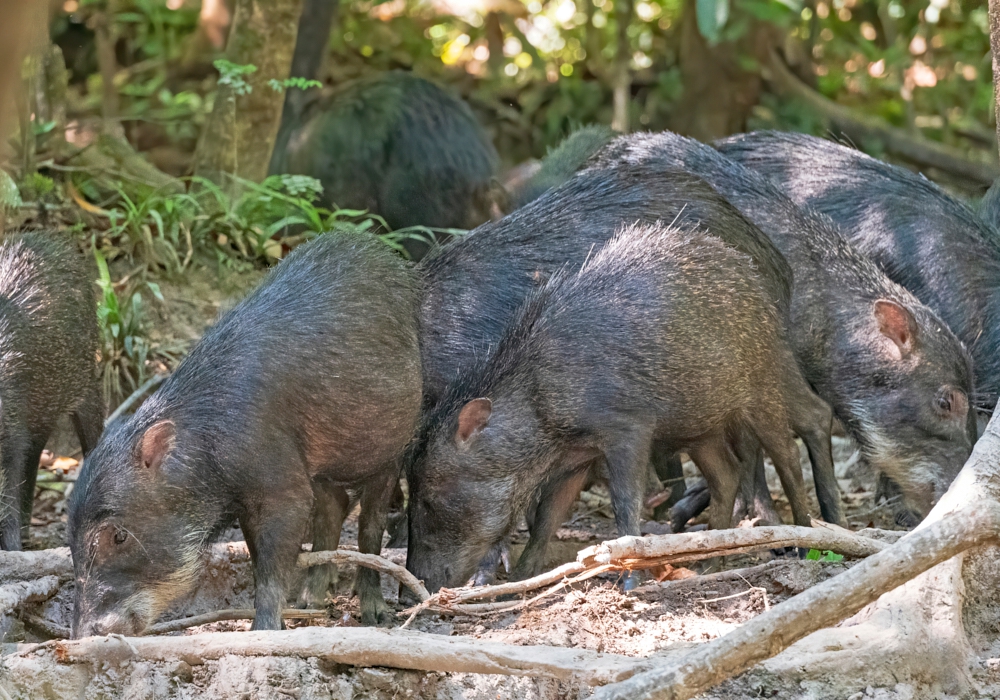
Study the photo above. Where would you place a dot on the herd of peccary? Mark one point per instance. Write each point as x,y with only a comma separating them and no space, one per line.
645,296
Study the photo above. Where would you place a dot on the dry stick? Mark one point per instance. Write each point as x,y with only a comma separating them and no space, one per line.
649,551
692,546
59,632
43,626
13,595
125,405
370,561
221,615
358,646
821,606
31,565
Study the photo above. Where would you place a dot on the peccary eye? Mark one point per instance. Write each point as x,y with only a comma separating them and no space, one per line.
944,403
120,537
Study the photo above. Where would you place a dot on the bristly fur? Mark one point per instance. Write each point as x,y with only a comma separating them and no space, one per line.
48,351
315,373
833,330
923,238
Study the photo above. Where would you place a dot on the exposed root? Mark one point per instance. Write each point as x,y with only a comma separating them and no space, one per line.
13,595
355,646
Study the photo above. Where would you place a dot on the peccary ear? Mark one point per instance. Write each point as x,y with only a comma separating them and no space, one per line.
472,419
897,324
156,444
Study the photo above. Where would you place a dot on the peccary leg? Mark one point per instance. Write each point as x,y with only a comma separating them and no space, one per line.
667,464
274,528
330,507
628,463
778,443
754,498
31,459
13,466
375,499
88,419
554,504
812,420
721,470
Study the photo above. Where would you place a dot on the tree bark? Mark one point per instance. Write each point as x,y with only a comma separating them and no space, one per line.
355,646
994,10
239,135
719,91
622,91
313,37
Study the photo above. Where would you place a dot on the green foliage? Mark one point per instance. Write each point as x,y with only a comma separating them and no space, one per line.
10,197
826,555
36,186
124,348
234,75
711,16
300,83
256,225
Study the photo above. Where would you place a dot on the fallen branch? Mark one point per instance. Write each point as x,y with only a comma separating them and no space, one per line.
862,127
821,606
55,631
630,553
370,561
20,566
644,552
57,562
356,646
13,595
40,625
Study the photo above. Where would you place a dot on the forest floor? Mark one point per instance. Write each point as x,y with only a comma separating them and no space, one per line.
656,619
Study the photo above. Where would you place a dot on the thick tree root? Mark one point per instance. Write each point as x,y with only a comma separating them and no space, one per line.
354,646
925,614
13,595
821,606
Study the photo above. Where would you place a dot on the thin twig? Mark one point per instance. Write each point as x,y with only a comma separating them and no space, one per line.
125,405
224,615
37,623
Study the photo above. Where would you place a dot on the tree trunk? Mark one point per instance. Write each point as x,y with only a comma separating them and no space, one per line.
313,37
719,92
622,93
239,135
995,46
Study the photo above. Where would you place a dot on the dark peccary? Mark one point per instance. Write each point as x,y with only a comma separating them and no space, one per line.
989,208
308,386
563,161
475,285
922,237
663,336
48,352
401,147
894,374
311,42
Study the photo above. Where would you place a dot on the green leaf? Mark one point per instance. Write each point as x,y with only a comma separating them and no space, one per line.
9,195
711,16
813,555
832,556
155,289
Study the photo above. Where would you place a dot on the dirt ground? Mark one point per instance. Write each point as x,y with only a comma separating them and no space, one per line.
658,618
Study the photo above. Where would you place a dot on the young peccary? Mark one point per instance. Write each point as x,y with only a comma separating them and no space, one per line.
665,336
308,386
48,353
